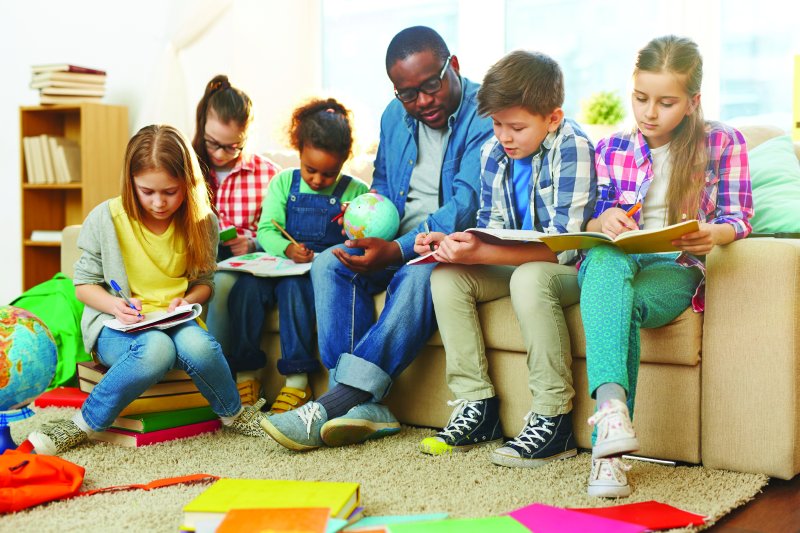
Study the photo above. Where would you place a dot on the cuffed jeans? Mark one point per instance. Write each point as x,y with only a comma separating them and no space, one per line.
539,291
137,361
364,351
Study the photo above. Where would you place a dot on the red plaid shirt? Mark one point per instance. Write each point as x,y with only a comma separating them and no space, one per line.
238,198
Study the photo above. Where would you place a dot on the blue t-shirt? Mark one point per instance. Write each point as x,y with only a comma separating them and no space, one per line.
522,190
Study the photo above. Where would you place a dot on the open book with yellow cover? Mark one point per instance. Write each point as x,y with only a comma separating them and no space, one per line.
640,241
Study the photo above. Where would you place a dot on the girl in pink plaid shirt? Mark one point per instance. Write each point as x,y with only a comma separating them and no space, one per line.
237,182
674,165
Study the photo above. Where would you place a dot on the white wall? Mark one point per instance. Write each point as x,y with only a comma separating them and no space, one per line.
252,41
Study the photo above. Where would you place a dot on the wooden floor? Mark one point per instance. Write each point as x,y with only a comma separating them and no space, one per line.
775,510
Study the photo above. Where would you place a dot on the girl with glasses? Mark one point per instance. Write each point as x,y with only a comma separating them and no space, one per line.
237,181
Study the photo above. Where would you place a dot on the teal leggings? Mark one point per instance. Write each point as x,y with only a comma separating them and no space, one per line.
620,294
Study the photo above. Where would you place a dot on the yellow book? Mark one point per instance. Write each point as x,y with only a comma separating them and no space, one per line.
226,494
631,242
173,402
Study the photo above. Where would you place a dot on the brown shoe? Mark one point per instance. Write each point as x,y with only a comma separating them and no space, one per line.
290,398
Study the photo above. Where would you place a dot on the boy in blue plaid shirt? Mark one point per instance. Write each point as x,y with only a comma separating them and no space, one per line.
537,173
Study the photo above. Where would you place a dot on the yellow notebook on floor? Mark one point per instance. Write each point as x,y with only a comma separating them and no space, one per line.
226,494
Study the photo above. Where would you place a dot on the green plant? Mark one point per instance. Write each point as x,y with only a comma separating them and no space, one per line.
604,107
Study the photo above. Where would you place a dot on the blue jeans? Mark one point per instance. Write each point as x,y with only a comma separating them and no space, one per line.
217,318
362,352
250,301
137,361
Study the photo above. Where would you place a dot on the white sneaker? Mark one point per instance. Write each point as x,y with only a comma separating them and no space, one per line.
608,480
615,435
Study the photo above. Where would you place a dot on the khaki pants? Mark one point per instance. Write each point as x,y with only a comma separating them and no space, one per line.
539,292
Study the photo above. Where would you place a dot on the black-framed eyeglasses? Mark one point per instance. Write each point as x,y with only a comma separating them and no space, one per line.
230,149
430,86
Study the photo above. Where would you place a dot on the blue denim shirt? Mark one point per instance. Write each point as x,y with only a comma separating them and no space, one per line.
460,180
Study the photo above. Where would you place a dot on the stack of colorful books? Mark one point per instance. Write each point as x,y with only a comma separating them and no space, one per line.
68,84
171,409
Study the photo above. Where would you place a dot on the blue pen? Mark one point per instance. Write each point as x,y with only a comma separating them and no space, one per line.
118,290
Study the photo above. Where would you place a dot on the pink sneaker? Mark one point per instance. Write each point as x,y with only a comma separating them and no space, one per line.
615,435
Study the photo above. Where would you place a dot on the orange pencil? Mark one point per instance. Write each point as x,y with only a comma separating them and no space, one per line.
286,234
634,208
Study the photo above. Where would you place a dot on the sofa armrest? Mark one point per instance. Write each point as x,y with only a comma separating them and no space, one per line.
751,358
69,249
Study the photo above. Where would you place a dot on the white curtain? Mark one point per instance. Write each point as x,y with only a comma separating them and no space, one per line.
166,101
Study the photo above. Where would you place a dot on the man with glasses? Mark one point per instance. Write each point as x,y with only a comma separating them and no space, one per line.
428,165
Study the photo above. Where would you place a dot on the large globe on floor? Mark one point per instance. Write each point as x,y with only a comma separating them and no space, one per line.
371,215
28,356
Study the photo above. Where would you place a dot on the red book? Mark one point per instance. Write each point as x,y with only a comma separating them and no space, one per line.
65,67
133,439
651,514
61,397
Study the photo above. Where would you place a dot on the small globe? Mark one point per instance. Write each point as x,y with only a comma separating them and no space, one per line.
371,215
28,357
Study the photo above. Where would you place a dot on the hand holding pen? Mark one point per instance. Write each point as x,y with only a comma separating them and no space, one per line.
124,312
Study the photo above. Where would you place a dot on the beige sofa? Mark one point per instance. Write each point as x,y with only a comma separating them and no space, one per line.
721,389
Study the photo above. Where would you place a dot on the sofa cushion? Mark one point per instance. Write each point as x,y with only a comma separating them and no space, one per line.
775,175
677,343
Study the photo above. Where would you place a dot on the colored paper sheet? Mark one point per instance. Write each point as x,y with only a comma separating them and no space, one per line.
335,524
651,514
495,524
374,522
546,519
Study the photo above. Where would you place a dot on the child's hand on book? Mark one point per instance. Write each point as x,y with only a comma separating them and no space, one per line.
299,254
125,314
615,221
460,247
698,242
423,242
176,302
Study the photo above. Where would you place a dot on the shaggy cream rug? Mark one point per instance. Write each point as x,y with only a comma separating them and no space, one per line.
395,479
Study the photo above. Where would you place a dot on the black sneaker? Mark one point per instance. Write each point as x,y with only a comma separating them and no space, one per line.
473,423
543,439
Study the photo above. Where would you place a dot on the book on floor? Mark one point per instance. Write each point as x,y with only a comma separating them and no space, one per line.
147,422
226,494
631,242
289,520
61,397
133,439
159,319
262,264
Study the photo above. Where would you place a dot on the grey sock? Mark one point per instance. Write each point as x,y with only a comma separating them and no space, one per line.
341,399
610,391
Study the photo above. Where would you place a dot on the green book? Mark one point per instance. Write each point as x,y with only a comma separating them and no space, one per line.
147,422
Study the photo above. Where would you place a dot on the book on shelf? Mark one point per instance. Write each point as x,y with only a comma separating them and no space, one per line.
159,319
262,264
42,235
49,167
53,99
227,494
52,78
65,67
74,91
66,159
132,439
27,154
147,422
59,84
94,371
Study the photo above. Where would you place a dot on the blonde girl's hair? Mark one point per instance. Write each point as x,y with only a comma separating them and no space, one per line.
681,56
164,148
229,104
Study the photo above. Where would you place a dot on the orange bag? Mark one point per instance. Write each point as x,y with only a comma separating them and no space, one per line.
28,479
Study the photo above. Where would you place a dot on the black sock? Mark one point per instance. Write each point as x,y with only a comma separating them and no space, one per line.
341,398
